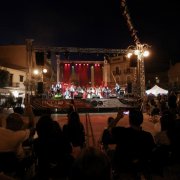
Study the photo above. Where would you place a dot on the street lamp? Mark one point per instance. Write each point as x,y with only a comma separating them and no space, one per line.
40,72
141,51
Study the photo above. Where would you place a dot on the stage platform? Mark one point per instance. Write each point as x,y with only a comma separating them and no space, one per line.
94,105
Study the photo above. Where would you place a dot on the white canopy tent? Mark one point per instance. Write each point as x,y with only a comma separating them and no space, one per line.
156,90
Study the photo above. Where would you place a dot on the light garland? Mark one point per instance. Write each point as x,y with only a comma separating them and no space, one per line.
132,30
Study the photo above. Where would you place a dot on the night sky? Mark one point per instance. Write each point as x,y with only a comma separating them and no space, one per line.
94,24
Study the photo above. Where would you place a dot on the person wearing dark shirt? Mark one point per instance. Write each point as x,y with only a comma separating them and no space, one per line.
91,164
134,145
74,130
172,102
52,150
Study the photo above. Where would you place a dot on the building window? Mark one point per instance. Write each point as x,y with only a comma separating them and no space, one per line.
11,80
21,78
117,71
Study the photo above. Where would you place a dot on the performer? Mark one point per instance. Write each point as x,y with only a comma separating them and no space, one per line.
106,92
58,87
99,92
84,93
117,89
72,90
89,93
67,94
52,89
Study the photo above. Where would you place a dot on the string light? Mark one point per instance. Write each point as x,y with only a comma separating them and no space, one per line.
140,50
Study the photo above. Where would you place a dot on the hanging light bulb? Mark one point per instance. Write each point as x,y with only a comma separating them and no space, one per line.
129,55
146,53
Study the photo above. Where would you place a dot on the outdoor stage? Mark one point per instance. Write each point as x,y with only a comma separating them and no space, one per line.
95,105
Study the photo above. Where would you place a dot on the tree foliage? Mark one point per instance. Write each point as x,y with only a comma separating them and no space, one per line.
4,78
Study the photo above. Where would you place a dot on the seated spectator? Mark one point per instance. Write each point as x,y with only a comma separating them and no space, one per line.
5,177
18,110
27,115
92,164
52,150
14,135
11,140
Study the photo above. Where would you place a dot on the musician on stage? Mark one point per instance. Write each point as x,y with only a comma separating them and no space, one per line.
117,89
67,94
58,87
72,90
106,92
52,91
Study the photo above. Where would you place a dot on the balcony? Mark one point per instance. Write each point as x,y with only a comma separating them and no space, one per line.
14,84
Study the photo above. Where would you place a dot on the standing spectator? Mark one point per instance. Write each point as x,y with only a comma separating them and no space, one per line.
172,102
74,131
107,139
134,145
161,153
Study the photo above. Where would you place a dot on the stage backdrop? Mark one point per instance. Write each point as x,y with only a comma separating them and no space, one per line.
81,74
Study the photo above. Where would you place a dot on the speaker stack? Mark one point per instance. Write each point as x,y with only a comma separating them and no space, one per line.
40,58
40,88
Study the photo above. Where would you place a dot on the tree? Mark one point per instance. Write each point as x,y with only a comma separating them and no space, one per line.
4,78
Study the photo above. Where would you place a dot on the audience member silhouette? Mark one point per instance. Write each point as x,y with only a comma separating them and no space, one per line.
91,164
134,145
174,134
172,102
106,136
107,139
11,144
14,135
19,110
74,130
27,115
161,154
52,150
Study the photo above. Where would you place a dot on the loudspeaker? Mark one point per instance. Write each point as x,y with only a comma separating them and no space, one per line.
40,88
94,103
40,58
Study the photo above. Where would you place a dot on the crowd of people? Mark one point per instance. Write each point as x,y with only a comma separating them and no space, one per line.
50,151
70,91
